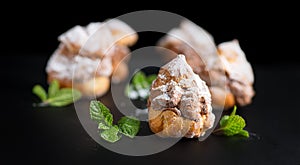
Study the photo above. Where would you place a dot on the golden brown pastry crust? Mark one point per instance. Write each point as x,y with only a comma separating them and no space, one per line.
221,96
179,103
168,124
93,87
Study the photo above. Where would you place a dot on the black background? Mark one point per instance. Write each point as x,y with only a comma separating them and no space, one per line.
55,136
265,30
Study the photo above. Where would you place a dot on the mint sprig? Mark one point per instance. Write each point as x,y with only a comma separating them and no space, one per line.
40,92
56,97
232,125
53,88
139,81
101,114
139,86
111,135
128,126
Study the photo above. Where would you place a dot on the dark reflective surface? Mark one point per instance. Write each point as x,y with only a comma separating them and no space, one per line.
55,135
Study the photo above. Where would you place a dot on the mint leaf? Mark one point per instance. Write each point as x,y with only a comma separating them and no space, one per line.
100,113
53,88
244,133
111,135
129,126
139,81
103,126
40,92
56,97
140,86
224,120
64,97
130,92
151,78
232,125
233,111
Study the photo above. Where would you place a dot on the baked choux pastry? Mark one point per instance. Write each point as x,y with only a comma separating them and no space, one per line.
224,68
179,104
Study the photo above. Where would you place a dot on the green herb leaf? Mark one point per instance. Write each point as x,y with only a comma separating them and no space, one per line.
232,125
40,92
140,81
53,88
129,126
244,133
233,111
100,113
140,86
224,120
56,97
64,97
128,89
130,92
151,78
103,126
111,135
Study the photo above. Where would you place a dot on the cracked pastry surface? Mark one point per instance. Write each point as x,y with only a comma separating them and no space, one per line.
180,102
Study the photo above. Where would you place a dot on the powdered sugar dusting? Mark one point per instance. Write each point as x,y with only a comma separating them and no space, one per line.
84,67
182,89
95,39
235,62
75,36
178,66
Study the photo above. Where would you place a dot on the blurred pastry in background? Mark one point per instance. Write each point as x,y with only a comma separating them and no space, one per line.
88,56
224,68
